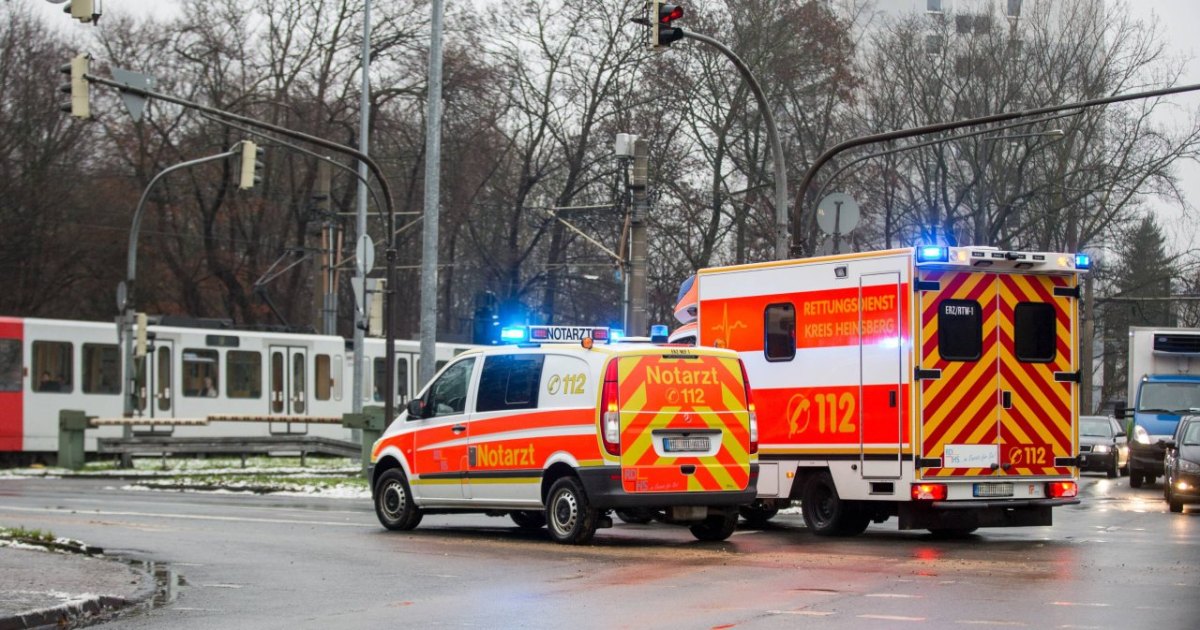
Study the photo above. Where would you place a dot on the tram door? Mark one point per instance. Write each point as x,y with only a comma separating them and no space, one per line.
153,386
289,381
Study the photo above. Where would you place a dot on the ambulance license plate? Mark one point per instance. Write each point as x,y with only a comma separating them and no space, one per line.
685,444
993,489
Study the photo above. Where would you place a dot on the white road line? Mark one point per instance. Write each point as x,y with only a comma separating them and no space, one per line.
806,613
894,595
988,622
187,517
891,618
1090,604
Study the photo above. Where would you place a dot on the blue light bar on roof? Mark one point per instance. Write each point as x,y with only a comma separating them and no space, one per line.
933,253
1083,261
512,334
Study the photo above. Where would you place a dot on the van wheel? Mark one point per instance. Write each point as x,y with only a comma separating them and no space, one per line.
758,513
572,521
530,520
1135,478
825,513
716,527
393,502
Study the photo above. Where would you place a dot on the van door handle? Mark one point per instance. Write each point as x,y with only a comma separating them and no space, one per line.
458,428
1006,400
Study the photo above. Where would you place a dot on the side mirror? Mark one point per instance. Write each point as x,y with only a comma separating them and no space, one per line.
416,409
1122,434
1120,410
1170,444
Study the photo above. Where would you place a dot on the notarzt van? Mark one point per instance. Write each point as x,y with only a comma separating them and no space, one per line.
558,435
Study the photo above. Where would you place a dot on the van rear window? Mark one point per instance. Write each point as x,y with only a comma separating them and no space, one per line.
510,381
960,330
1035,332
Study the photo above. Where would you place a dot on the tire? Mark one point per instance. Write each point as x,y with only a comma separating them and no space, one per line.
716,527
1114,471
951,533
1175,506
758,513
393,502
825,513
569,517
1135,478
636,516
529,520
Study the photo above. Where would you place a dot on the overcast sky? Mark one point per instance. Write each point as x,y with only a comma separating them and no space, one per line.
1179,20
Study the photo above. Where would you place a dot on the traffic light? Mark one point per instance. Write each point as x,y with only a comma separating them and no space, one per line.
77,70
251,166
662,32
82,10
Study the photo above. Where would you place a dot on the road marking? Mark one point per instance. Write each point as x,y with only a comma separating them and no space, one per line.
235,586
191,517
1092,604
895,595
891,618
986,622
806,613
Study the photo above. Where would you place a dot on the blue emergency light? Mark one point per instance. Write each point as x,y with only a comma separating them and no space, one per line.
617,334
933,253
659,333
512,334
1083,261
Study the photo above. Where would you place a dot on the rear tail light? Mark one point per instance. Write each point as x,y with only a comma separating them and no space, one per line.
1062,489
929,492
610,416
750,408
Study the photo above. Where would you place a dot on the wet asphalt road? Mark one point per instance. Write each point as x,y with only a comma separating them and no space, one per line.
1119,560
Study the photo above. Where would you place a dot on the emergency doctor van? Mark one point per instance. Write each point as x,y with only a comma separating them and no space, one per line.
936,384
562,427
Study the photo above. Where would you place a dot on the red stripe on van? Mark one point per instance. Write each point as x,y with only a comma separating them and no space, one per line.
12,411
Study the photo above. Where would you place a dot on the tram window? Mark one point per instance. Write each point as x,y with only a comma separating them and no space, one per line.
779,330
52,364
1035,332
324,378
277,382
163,379
200,373
10,365
402,378
337,377
101,369
380,380
298,384
243,374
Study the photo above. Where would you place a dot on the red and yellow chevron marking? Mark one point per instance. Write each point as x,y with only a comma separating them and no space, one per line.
961,406
680,396
1040,418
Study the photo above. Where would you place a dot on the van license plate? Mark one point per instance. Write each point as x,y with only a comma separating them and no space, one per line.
993,489
685,444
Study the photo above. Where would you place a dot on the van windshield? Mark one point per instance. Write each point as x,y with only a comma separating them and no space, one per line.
1169,397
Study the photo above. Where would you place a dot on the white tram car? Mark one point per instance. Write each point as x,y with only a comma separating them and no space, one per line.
48,365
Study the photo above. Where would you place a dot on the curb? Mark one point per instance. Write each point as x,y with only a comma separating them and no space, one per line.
85,611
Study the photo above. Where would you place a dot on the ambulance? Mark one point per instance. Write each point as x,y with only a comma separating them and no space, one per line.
561,427
936,384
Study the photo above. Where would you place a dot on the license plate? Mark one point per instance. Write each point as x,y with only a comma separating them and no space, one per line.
685,444
993,489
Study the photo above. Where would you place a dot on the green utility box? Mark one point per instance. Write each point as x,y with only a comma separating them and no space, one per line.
71,427
371,423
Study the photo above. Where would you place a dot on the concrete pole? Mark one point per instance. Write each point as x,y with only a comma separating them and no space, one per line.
433,161
327,270
638,320
360,219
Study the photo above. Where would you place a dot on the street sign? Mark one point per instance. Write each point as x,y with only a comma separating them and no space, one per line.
837,213
364,256
135,103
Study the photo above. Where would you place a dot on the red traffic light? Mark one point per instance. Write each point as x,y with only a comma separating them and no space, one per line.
668,13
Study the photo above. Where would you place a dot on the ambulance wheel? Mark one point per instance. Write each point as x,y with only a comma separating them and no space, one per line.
528,519
571,520
393,502
636,516
825,513
716,527
1135,478
758,513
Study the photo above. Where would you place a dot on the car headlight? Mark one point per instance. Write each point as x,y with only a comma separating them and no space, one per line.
1101,448
1140,436
1188,467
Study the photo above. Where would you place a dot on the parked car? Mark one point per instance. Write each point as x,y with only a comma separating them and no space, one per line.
1103,445
1181,480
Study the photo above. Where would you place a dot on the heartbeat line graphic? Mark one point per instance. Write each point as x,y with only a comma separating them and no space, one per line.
725,328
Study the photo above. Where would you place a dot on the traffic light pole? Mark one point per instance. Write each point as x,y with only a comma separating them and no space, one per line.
781,209
390,368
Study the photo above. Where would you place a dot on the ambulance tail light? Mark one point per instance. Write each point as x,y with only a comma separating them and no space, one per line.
610,415
929,492
750,408
1062,489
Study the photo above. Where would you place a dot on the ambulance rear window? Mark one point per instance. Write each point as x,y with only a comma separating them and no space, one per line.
1035,332
960,330
510,381
779,328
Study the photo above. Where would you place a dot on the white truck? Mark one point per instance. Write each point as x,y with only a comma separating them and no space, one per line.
1164,384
